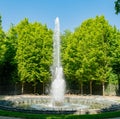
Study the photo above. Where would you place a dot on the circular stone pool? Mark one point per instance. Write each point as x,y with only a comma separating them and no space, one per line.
71,104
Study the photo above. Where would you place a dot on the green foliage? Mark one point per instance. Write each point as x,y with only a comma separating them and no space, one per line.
2,43
117,6
3,50
89,51
34,52
116,52
11,47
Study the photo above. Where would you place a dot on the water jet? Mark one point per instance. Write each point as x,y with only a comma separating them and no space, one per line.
58,83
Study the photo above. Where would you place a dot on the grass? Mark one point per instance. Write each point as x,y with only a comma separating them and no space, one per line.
57,116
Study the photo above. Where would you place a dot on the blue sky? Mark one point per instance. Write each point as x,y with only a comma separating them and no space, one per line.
70,12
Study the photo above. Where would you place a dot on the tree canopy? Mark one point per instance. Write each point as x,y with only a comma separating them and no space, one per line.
34,52
89,50
90,55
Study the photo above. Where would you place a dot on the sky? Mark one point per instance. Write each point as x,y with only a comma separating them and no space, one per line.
70,12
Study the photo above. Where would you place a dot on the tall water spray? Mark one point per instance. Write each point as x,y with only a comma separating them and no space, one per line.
58,83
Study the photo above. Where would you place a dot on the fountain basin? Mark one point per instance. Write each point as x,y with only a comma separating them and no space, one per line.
72,104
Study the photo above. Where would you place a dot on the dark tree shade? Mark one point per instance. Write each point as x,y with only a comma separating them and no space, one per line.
117,6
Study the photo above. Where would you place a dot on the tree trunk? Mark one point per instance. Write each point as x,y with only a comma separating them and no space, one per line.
34,85
34,88
119,84
15,88
22,89
81,88
43,88
91,87
103,88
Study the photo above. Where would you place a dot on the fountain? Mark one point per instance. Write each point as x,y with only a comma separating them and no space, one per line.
57,102
58,84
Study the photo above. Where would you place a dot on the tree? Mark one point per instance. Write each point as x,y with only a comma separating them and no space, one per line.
34,52
117,6
2,53
115,62
100,43
2,43
11,48
68,60
7,54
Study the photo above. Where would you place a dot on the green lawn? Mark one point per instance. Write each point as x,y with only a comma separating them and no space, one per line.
57,116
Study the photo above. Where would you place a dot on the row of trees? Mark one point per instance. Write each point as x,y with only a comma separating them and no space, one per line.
26,52
92,53
89,54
